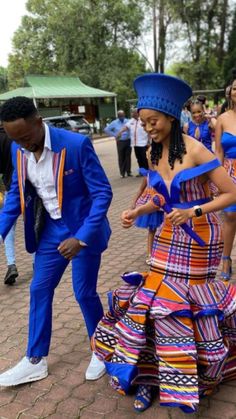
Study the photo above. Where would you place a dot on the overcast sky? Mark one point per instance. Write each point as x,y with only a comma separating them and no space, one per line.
11,13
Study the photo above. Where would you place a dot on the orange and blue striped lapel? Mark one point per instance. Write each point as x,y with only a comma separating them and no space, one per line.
58,171
21,173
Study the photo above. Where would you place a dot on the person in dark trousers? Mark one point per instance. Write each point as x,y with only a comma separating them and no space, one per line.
139,139
123,143
59,186
6,170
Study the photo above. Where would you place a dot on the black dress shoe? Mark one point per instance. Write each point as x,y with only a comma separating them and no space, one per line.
11,275
129,175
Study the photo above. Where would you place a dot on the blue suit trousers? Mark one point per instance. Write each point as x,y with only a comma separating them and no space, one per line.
48,269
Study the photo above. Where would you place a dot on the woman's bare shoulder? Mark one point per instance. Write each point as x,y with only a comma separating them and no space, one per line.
190,142
224,116
196,151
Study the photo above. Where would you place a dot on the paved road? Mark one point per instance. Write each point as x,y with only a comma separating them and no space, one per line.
65,394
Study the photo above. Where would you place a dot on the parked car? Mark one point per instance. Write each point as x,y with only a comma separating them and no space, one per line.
76,123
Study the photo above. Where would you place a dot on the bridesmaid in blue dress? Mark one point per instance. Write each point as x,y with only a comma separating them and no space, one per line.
225,141
200,127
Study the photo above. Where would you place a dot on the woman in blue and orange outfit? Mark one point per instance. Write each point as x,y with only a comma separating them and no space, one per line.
174,327
225,140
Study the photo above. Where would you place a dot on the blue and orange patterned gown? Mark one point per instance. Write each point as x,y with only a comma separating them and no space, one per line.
176,329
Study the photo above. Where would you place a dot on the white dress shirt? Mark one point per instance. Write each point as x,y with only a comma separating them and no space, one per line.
139,137
40,174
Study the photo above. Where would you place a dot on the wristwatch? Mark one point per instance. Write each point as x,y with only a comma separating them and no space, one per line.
197,211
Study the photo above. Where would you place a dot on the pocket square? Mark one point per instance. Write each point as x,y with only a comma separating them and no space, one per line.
68,172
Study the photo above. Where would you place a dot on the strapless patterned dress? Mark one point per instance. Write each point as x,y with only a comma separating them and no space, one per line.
228,142
174,327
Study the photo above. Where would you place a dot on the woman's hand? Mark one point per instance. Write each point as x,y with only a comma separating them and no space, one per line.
128,217
180,216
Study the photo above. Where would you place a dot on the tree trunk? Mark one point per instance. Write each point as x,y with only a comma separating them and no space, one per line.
162,37
198,36
161,52
154,17
223,19
210,16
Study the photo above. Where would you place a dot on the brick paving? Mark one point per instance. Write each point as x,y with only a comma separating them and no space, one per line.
65,393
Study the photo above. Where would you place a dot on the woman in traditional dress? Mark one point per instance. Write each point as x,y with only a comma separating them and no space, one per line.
201,126
225,140
174,327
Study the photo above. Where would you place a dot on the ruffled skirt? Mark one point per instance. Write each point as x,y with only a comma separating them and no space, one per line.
181,339
153,220
174,327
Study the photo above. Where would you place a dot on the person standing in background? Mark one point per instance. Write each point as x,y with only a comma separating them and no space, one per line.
123,143
6,170
185,116
139,139
225,140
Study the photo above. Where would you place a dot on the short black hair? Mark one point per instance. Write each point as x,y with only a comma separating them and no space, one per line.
16,108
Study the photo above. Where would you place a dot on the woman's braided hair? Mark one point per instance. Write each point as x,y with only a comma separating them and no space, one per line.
176,149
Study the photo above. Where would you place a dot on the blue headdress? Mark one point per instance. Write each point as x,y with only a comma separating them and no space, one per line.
162,93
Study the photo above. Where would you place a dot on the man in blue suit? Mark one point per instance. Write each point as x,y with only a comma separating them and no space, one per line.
60,188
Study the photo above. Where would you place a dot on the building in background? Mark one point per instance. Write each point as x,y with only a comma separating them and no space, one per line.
54,95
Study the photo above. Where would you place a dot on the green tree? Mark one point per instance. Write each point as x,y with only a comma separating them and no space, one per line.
230,60
3,80
204,34
93,39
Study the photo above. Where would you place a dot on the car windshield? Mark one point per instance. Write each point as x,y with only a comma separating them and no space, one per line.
71,122
78,120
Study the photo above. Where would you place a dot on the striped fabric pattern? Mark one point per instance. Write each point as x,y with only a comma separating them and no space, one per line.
21,170
179,325
230,167
58,168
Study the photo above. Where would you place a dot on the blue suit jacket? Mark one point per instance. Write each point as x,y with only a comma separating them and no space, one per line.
83,191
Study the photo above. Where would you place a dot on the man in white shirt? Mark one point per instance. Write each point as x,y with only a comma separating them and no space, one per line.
60,188
139,138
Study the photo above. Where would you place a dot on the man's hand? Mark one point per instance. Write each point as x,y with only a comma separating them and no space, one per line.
69,248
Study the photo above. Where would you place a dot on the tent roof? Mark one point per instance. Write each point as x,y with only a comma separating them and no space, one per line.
21,91
49,87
